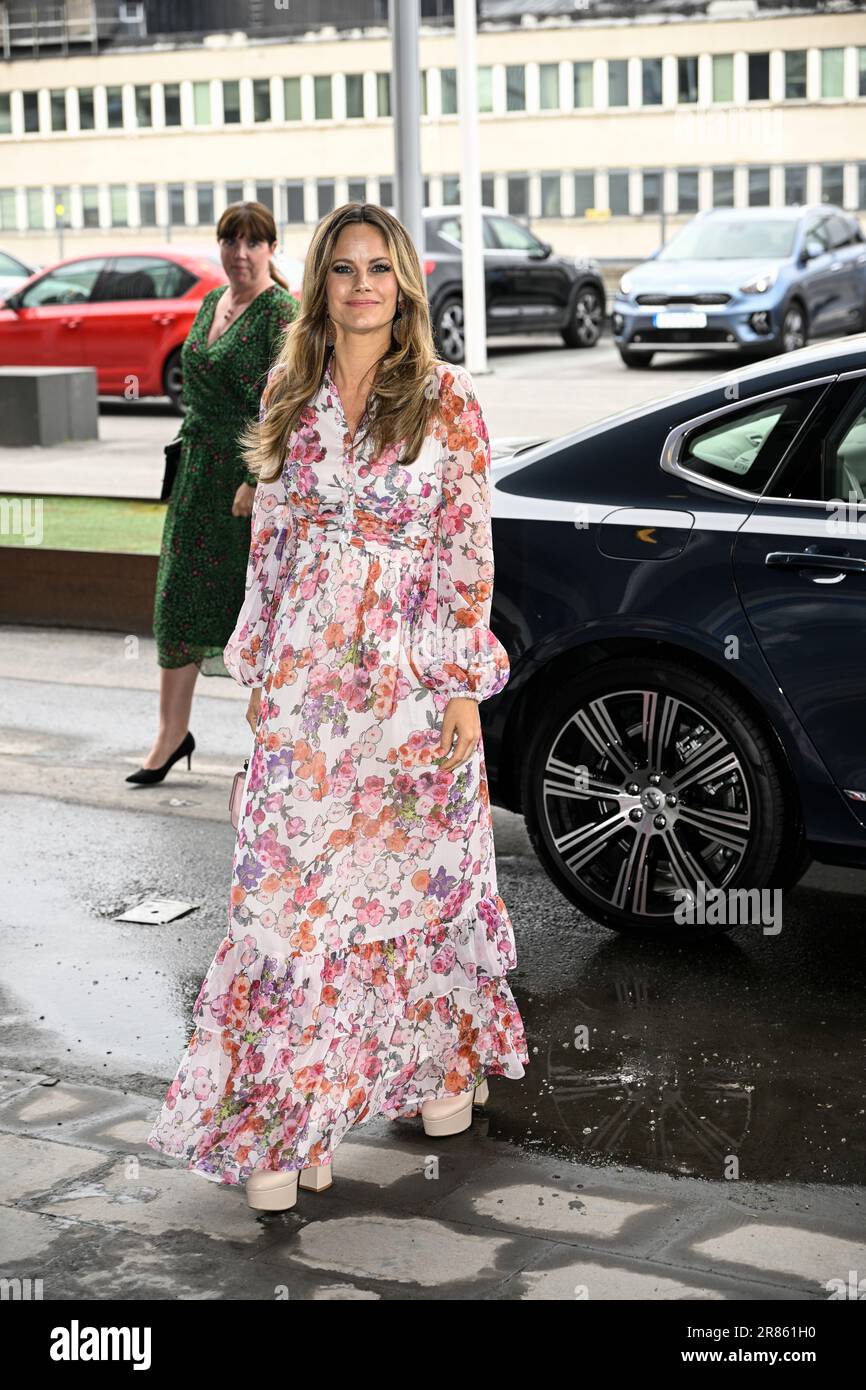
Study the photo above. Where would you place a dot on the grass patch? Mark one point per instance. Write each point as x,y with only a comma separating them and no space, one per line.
114,524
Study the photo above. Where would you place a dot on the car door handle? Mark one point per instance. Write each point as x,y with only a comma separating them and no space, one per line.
164,319
814,560
71,323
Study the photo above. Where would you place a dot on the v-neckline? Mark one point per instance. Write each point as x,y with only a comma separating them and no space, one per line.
217,299
332,379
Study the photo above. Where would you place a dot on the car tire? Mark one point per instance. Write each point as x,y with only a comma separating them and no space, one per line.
172,381
794,330
630,883
449,330
636,359
583,329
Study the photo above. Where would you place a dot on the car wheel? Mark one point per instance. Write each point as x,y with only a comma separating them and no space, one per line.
172,381
636,359
643,779
794,332
448,329
584,328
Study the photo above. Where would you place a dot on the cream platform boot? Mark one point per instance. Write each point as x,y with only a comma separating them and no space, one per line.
273,1191
452,1114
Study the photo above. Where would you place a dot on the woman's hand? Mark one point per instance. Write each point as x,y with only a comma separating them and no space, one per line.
243,501
461,717
252,715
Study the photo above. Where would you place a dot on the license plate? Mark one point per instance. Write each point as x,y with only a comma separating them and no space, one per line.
687,318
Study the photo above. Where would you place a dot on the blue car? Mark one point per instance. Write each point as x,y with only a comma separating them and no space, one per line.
764,280
681,590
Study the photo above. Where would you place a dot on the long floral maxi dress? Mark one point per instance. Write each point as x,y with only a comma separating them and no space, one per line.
363,971
204,550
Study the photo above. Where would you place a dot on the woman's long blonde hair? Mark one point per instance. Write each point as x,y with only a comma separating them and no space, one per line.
403,397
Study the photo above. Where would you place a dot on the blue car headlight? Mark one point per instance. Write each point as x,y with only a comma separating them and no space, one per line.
761,283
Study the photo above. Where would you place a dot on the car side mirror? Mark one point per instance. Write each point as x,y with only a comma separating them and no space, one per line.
811,249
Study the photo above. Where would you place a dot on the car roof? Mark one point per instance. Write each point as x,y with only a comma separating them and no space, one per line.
790,213
823,358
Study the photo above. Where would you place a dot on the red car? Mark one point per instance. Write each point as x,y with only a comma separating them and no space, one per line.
127,315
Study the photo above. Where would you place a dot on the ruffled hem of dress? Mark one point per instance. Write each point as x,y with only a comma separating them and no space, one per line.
290,1051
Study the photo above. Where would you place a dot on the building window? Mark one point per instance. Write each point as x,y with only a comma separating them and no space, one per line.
759,186
114,103
617,192
292,98
58,110
294,202
86,118
386,193
201,103
6,116
172,103
687,79
119,200
723,188
354,95
687,190
424,111
204,204
515,88
518,195
651,81
795,184
426,192
90,203
652,190
234,193
759,76
795,74
35,209
451,188
448,87
265,194
231,102
357,190
147,205
487,190
617,82
143,111
8,221
551,200
583,84
324,110
383,93
176,207
723,77
831,184
548,86
485,89
261,99
832,72
325,196
31,111
861,185
861,74
584,192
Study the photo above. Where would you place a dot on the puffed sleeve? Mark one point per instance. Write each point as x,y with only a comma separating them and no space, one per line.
453,649
272,545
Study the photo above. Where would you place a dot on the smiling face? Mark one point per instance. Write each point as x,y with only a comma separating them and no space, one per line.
245,259
362,286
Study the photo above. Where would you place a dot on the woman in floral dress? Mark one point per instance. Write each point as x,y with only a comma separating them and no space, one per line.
363,969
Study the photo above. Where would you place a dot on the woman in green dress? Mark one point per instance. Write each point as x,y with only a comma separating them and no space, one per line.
236,336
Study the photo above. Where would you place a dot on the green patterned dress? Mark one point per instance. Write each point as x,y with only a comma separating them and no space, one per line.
201,575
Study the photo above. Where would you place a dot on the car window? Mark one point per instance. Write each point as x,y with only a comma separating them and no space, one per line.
511,236
731,238
9,266
68,284
817,230
452,228
142,277
742,448
839,232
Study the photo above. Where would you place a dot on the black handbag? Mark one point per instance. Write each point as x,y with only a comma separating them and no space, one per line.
172,459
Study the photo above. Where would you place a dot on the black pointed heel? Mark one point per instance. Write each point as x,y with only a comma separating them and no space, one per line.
156,774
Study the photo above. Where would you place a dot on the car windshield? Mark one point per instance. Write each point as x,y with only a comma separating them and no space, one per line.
730,239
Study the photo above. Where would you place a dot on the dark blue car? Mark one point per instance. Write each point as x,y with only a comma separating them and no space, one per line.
764,280
682,592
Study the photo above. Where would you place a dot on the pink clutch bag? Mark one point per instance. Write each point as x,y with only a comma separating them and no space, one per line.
237,792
